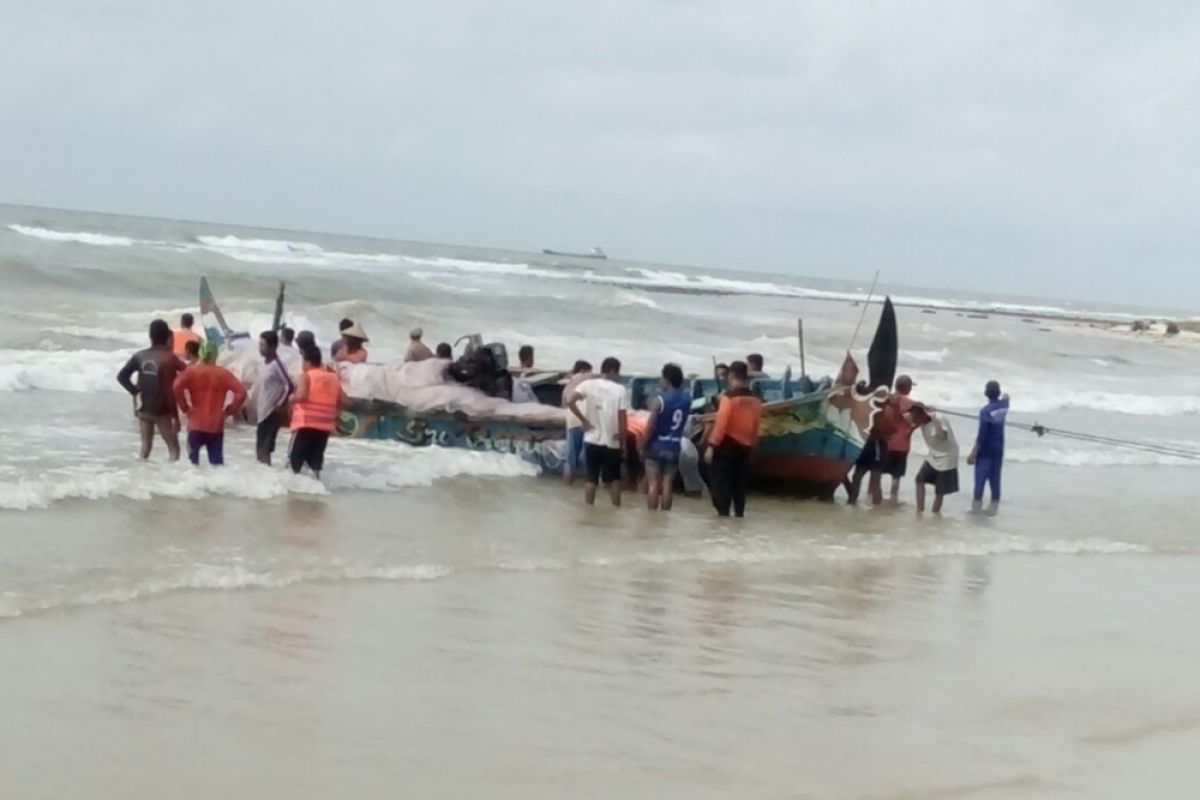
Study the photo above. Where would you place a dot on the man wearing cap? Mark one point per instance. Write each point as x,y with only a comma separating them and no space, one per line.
201,391
353,352
417,350
988,453
895,457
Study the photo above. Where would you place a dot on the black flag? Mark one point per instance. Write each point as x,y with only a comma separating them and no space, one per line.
885,349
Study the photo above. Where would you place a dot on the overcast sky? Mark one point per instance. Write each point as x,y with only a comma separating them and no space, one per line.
1033,148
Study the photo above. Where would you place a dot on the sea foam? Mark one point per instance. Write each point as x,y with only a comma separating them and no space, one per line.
78,237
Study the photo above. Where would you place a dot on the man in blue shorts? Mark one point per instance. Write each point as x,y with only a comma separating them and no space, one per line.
988,453
573,460
668,419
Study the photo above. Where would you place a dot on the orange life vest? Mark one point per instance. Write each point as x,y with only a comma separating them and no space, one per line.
319,411
180,338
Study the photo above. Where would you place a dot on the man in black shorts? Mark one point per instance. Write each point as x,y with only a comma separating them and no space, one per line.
940,469
605,430
272,388
868,463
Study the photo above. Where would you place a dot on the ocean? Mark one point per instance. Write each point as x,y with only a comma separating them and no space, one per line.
448,623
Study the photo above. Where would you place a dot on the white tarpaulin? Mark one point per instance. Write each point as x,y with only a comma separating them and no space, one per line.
419,386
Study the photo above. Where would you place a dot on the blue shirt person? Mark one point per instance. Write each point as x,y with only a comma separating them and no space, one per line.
668,421
988,453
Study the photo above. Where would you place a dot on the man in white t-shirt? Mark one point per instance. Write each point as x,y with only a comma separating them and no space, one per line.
605,406
573,462
941,465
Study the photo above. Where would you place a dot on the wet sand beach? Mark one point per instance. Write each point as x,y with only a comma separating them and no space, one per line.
446,623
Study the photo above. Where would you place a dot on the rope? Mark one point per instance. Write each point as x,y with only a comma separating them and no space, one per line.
863,315
1093,438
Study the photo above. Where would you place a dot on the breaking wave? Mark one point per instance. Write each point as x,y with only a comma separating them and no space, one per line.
282,251
60,370
354,466
79,237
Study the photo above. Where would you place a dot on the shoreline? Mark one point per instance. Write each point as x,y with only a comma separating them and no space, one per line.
1121,323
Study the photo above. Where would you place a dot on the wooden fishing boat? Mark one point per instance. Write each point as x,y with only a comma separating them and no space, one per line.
811,433
542,445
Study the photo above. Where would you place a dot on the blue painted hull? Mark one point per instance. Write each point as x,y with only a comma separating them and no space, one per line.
541,445
807,444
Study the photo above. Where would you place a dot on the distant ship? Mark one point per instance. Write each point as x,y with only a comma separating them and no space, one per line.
595,252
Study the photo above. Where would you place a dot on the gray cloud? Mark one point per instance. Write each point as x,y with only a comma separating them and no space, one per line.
1018,147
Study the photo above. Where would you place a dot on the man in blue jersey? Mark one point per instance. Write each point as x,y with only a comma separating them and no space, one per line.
668,419
988,453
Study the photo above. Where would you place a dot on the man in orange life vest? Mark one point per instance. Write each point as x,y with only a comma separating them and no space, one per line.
733,437
185,334
314,416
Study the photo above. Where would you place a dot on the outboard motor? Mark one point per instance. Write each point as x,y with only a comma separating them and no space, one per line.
499,354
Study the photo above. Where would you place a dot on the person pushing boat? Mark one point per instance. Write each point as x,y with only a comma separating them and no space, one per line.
352,351
668,420
314,414
899,443
605,425
733,437
940,468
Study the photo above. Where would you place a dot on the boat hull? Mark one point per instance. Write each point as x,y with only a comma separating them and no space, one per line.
540,445
807,444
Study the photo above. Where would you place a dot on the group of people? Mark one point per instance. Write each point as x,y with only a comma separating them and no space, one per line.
887,449
178,374
601,438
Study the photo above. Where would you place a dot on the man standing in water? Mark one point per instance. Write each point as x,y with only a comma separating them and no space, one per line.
941,466
573,463
988,453
605,426
733,437
314,416
668,420
272,388
185,334
201,391
899,443
287,352
156,368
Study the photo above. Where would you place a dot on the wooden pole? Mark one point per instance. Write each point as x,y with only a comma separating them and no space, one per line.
863,315
800,338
